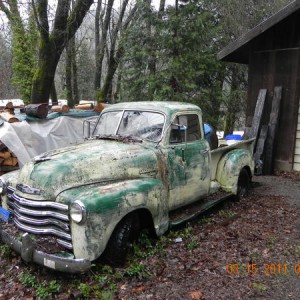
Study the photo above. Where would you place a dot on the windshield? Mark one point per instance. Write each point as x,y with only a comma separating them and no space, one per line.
145,125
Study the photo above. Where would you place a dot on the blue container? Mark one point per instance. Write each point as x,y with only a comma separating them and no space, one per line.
4,214
235,137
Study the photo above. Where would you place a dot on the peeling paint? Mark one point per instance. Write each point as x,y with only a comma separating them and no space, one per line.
113,175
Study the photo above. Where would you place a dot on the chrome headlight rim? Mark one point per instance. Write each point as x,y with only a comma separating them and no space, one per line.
78,212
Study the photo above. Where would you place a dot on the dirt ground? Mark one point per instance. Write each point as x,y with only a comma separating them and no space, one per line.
241,250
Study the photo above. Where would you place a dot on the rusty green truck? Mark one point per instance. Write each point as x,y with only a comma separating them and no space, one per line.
142,163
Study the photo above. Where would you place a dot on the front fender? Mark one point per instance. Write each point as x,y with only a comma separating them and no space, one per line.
106,205
229,168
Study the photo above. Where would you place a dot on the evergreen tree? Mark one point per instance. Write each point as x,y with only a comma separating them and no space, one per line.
24,46
183,42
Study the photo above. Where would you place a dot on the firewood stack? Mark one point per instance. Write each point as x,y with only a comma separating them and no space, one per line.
8,113
8,160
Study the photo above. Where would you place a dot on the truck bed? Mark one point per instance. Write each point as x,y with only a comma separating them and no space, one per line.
216,154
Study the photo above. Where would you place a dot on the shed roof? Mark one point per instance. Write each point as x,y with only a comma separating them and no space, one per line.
238,51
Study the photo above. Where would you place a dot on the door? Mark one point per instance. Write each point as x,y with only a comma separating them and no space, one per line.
188,160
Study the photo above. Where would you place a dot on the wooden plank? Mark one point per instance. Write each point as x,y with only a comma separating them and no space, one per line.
297,150
259,108
260,149
297,159
272,131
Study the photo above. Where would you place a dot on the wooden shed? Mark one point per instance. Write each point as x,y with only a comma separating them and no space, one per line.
272,52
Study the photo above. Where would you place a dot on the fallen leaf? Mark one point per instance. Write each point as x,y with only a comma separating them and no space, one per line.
139,289
196,295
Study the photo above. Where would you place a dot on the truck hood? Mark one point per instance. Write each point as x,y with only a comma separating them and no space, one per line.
94,161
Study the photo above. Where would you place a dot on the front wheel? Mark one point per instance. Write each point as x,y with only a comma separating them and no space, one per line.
121,240
243,184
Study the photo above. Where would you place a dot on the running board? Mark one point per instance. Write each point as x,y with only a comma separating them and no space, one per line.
192,211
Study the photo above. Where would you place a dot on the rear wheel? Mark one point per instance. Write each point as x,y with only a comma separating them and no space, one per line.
121,240
243,184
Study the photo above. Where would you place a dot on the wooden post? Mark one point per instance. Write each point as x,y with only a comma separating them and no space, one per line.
259,108
258,159
272,131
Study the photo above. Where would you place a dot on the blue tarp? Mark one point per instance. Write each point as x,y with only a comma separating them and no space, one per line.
53,115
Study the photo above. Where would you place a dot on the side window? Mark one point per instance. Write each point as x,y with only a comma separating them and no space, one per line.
185,125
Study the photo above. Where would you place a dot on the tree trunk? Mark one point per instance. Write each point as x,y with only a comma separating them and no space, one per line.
66,23
115,55
53,94
44,75
69,94
100,49
74,73
97,44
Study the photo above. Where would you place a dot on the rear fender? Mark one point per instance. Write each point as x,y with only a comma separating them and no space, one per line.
106,205
229,168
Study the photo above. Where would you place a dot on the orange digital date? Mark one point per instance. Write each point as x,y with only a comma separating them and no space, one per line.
265,269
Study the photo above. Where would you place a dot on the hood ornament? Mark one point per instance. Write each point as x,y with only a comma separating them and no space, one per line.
26,189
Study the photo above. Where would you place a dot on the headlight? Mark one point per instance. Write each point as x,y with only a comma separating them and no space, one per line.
3,187
78,212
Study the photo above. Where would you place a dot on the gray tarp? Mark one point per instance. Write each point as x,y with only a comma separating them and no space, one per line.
29,139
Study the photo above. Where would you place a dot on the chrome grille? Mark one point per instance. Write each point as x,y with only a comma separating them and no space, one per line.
40,217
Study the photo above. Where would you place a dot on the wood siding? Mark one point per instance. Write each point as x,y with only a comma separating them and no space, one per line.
272,51
297,147
268,70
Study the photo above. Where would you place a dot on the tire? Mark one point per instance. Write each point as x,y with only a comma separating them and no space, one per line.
121,240
243,184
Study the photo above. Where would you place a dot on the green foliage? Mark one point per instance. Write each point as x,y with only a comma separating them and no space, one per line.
172,57
45,291
227,213
136,269
86,290
24,50
259,287
193,244
27,279
5,250
205,220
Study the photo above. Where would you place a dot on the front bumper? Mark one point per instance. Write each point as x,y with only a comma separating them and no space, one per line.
26,249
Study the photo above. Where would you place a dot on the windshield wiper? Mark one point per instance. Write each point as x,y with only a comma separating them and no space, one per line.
121,138
105,137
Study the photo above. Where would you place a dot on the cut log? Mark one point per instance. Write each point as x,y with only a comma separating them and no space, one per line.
11,161
84,106
62,109
37,110
9,105
5,154
99,107
2,147
8,117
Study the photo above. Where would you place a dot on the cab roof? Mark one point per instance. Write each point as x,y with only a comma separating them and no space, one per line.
166,107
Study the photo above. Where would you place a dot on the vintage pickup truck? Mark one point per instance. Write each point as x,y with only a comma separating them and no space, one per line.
143,165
